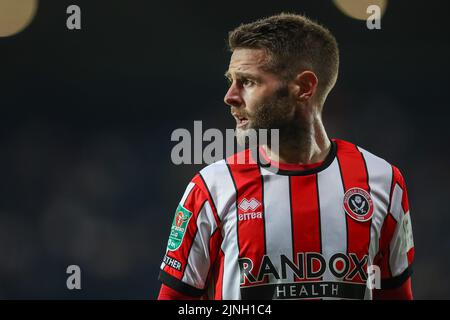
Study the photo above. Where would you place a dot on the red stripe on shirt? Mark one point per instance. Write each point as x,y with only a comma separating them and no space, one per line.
218,276
215,242
398,178
193,203
202,186
354,175
251,233
305,218
382,257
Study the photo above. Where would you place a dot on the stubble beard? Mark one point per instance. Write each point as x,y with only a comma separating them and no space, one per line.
277,112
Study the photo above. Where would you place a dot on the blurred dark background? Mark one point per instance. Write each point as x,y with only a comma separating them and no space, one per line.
86,118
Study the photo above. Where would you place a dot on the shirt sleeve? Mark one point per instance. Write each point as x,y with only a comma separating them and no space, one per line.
193,243
396,252
167,293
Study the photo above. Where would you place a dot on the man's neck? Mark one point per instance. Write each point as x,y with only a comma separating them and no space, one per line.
309,148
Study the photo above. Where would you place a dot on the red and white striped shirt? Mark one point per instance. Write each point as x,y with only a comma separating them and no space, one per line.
245,231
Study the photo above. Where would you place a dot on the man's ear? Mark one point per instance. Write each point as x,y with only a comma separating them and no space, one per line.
305,85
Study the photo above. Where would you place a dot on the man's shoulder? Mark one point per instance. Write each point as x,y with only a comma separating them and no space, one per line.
236,161
222,172
213,174
376,163
216,168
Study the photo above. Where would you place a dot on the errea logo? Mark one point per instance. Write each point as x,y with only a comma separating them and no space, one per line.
247,205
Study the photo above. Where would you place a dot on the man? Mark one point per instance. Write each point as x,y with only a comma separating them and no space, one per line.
317,226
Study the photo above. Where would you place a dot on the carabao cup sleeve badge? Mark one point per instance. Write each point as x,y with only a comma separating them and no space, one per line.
178,229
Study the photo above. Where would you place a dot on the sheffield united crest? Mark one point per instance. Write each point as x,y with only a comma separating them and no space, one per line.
358,204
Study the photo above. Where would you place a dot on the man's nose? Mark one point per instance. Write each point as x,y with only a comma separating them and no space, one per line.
233,97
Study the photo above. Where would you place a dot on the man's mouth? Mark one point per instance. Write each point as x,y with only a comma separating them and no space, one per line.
241,121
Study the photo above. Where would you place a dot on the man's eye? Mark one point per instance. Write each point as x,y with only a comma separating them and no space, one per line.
247,83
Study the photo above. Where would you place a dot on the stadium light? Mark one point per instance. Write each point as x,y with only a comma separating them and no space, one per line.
357,9
16,15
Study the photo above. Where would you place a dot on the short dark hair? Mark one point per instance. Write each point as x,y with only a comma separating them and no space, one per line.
293,43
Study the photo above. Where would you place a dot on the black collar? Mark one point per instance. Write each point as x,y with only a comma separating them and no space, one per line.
325,164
